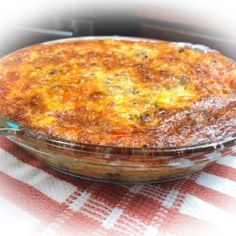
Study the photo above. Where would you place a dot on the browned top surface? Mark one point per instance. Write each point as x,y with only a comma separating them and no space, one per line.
120,93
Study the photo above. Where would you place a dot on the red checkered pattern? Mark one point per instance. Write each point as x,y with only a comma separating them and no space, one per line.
36,200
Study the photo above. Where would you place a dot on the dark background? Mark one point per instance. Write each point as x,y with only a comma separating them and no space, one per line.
139,22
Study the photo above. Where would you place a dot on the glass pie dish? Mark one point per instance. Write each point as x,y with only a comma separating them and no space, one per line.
113,163
117,164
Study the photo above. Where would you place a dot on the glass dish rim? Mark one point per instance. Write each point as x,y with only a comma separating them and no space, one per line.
17,130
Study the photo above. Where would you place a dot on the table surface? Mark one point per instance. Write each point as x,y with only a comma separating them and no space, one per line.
36,200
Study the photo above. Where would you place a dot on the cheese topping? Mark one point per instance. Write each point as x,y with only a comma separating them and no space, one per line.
119,92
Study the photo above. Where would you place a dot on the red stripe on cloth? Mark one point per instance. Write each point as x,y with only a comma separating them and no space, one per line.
29,199
109,194
143,208
77,224
213,197
222,171
179,225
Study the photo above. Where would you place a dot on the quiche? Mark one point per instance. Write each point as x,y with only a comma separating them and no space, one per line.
125,93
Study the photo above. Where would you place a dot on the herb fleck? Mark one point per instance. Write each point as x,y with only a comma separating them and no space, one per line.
53,72
145,117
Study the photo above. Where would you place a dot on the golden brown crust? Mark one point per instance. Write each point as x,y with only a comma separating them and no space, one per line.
120,93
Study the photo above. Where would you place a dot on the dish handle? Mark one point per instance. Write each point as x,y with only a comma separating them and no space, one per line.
9,128
8,131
